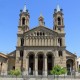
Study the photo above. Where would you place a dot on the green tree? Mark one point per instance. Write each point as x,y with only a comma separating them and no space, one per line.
57,70
64,70
11,72
15,72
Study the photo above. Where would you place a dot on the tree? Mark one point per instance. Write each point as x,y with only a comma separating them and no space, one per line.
15,72
11,72
57,70
64,70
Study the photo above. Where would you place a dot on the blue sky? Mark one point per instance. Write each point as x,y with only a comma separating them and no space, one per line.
9,18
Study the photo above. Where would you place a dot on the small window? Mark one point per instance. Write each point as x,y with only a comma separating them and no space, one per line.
59,21
60,41
23,21
43,34
37,33
60,53
59,29
40,33
22,41
21,53
13,68
55,28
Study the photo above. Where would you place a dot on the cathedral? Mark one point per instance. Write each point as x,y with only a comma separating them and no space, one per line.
39,49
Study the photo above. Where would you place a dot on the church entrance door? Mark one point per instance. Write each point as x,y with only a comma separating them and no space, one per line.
69,65
31,64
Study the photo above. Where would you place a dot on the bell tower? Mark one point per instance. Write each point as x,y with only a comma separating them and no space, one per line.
22,28
59,26
24,20
58,20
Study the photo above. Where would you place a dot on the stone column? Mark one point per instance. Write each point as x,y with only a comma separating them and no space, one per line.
45,61
36,66
24,63
27,65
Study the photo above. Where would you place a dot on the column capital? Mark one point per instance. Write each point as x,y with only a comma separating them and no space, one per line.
45,56
36,56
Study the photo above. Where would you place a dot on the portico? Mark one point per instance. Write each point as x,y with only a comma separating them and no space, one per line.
40,63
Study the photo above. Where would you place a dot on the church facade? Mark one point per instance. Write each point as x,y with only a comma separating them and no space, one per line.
40,48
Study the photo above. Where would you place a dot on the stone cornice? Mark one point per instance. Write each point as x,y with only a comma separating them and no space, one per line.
40,48
61,34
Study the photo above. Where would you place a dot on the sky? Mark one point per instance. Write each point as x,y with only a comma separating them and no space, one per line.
9,19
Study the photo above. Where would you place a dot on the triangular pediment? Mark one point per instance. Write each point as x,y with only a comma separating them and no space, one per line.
70,54
41,30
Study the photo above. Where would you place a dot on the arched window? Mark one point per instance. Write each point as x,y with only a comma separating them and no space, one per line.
60,53
60,41
59,21
40,33
37,33
23,21
21,53
13,67
55,28
59,29
31,63
43,34
22,41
